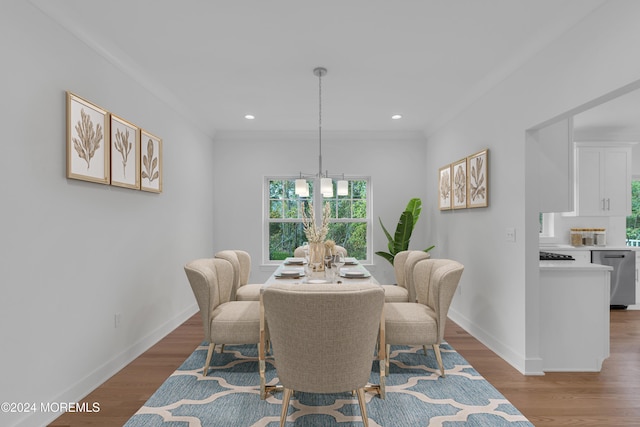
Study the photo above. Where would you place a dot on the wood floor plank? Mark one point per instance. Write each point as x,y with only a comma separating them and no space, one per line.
607,398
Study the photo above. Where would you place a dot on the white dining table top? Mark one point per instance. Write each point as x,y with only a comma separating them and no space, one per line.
297,264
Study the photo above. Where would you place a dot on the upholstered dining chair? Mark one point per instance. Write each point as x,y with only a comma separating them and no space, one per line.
299,251
323,337
225,321
422,322
241,262
403,263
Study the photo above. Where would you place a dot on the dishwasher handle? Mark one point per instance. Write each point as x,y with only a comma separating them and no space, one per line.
613,256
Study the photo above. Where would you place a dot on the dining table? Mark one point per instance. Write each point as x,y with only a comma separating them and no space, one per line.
296,271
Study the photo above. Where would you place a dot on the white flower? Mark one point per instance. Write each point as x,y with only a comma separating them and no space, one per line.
311,230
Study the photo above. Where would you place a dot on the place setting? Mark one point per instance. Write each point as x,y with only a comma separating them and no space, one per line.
289,274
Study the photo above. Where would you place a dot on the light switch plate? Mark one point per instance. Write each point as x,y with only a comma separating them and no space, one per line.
510,234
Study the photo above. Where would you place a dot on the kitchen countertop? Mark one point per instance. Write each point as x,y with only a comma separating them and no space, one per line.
573,266
563,247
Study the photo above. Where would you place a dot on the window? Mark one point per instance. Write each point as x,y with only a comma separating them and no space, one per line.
546,225
349,225
633,221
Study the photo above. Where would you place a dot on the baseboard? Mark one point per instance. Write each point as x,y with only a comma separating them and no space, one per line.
503,351
82,388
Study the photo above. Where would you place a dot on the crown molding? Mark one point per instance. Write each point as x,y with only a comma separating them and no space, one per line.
327,136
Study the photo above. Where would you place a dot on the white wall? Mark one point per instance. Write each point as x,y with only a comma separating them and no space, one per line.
498,302
394,161
75,253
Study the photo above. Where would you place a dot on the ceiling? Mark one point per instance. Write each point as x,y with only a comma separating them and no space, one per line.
614,120
215,61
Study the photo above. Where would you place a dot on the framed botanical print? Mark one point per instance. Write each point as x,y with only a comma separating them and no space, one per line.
478,184
87,151
459,184
444,188
151,162
125,153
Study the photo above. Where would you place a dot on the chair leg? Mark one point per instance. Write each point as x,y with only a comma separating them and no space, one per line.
436,349
286,396
424,347
222,349
386,359
363,406
212,346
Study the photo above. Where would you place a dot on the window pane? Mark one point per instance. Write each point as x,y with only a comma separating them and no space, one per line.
360,208
275,209
344,209
284,238
359,189
290,189
275,189
291,209
352,236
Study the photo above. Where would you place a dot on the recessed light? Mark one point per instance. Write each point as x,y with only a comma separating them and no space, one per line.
396,116
249,117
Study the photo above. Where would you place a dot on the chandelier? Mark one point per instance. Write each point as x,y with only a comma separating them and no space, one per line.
326,181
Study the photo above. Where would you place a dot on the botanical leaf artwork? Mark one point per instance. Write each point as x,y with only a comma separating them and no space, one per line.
477,183
459,183
445,185
89,138
123,145
150,163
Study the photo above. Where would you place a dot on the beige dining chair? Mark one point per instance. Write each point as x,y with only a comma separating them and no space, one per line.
299,251
241,262
323,337
403,263
224,320
422,322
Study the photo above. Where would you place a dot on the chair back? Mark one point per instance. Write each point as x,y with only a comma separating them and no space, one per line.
398,266
232,257
411,260
435,282
211,280
245,266
323,336
299,251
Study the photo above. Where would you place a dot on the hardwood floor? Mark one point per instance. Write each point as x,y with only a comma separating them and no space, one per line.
607,398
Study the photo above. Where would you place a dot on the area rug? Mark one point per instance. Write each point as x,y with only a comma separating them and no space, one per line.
416,395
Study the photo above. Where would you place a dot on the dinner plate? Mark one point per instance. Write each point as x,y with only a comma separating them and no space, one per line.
347,273
290,273
350,261
299,261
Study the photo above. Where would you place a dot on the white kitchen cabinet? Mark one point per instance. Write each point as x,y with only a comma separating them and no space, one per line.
603,180
574,316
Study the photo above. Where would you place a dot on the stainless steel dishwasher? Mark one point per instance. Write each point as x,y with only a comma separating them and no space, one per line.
623,276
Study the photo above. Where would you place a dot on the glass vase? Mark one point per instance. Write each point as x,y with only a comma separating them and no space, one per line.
316,255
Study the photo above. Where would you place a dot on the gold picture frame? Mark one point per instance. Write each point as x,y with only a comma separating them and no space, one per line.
150,162
125,153
459,184
444,188
477,179
87,150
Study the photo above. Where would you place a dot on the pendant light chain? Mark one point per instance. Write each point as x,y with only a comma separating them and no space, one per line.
326,183
320,123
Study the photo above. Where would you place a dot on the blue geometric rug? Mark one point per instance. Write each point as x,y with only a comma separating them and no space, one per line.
416,395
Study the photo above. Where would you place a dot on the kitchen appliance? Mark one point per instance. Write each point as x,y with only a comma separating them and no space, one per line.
550,256
623,276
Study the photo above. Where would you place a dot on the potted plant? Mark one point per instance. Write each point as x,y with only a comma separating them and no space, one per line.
400,240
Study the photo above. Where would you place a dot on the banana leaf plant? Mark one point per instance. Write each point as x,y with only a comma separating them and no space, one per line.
400,240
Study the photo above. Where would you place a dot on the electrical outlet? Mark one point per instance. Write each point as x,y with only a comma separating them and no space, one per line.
510,235
116,319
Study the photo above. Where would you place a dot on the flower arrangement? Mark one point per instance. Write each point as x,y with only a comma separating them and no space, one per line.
311,230
329,247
